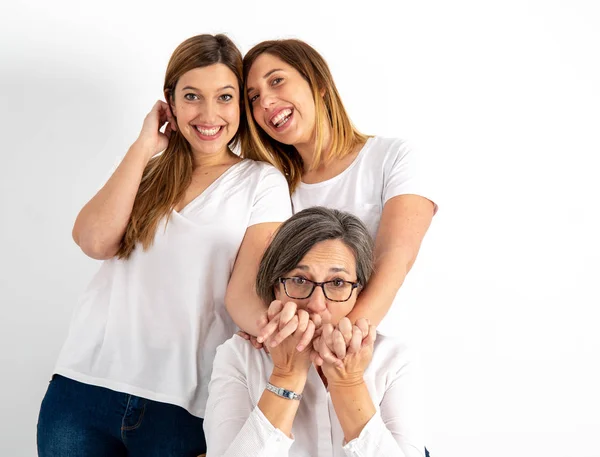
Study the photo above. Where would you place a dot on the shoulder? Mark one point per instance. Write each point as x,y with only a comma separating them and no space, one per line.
385,146
263,171
235,353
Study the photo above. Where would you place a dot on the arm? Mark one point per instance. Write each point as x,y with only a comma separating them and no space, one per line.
404,222
101,223
233,427
241,300
394,430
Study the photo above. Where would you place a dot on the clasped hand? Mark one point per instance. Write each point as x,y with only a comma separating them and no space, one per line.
295,339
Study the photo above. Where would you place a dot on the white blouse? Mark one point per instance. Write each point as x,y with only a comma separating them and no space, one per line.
149,326
235,426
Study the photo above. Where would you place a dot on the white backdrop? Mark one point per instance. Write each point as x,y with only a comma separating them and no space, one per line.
503,101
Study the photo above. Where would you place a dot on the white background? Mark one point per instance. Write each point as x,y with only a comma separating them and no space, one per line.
503,101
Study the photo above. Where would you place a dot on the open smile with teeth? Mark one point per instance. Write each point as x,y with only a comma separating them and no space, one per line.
209,132
281,118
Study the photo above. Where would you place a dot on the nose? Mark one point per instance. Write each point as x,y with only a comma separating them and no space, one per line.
208,113
317,302
267,99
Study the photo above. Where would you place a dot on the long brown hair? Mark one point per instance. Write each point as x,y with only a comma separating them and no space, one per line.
258,145
168,175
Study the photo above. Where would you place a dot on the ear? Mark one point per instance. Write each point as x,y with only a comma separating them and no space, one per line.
171,101
322,92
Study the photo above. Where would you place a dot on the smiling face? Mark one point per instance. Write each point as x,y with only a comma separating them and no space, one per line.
328,260
207,107
281,101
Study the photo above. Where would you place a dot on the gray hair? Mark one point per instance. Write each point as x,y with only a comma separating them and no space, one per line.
300,233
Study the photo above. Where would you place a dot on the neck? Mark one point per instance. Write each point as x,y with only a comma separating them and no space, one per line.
201,160
307,150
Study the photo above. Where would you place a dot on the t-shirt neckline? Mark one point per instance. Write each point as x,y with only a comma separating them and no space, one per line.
367,145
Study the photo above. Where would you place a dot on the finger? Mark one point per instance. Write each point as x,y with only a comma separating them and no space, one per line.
363,325
345,327
371,337
262,320
339,344
316,318
287,313
283,333
314,355
168,130
303,320
326,355
255,343
243,335
274,308
327,335
268,330
307,336
356,341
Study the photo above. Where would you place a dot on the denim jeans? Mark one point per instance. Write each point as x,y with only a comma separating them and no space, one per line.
81,420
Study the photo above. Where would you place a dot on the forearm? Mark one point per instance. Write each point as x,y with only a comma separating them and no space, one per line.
376,299
353,408
101,223
281,411
245,309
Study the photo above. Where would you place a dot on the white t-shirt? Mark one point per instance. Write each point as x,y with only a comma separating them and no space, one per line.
384,168
236,427
149,326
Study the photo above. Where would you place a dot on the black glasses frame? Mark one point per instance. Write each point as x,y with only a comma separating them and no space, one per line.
321,285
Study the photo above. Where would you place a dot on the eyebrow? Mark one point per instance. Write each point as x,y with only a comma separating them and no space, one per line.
266,75
198,90
331,270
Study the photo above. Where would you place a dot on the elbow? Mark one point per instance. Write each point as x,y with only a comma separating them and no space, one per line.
95,248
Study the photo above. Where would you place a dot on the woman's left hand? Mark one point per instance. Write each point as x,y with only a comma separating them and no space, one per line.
346,351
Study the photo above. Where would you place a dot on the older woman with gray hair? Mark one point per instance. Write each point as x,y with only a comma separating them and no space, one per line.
362,400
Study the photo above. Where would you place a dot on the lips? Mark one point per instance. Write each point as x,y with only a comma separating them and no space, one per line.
209,131
281,117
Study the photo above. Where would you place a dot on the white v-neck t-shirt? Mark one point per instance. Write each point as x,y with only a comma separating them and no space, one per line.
149,326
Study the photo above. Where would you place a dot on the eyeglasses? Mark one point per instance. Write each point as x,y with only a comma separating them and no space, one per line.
336,290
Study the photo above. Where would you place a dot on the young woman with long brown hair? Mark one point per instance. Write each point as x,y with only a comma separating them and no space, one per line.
172,229
297,122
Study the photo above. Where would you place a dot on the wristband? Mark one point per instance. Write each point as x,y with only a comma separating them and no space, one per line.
283,393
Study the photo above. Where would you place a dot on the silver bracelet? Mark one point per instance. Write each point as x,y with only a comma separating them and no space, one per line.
284,393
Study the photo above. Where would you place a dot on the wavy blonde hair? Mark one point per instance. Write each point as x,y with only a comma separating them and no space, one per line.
258,145
168,175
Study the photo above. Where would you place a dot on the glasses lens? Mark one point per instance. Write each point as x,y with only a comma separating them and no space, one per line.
338,290
298,287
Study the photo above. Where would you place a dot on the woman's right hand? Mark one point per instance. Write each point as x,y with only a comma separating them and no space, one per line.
295,326
151,139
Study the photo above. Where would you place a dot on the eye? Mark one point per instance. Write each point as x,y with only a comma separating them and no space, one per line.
226,97
337,282
190,97
276,81
298,280
253,98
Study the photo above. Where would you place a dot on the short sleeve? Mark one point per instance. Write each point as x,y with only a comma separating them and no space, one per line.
404,174
272,201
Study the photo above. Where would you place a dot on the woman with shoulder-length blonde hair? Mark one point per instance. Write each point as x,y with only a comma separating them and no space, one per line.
297,122
179,232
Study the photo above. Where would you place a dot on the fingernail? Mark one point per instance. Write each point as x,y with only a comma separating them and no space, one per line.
259,339
299,348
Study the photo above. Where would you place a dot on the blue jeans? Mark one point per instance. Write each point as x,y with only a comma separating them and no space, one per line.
81,420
